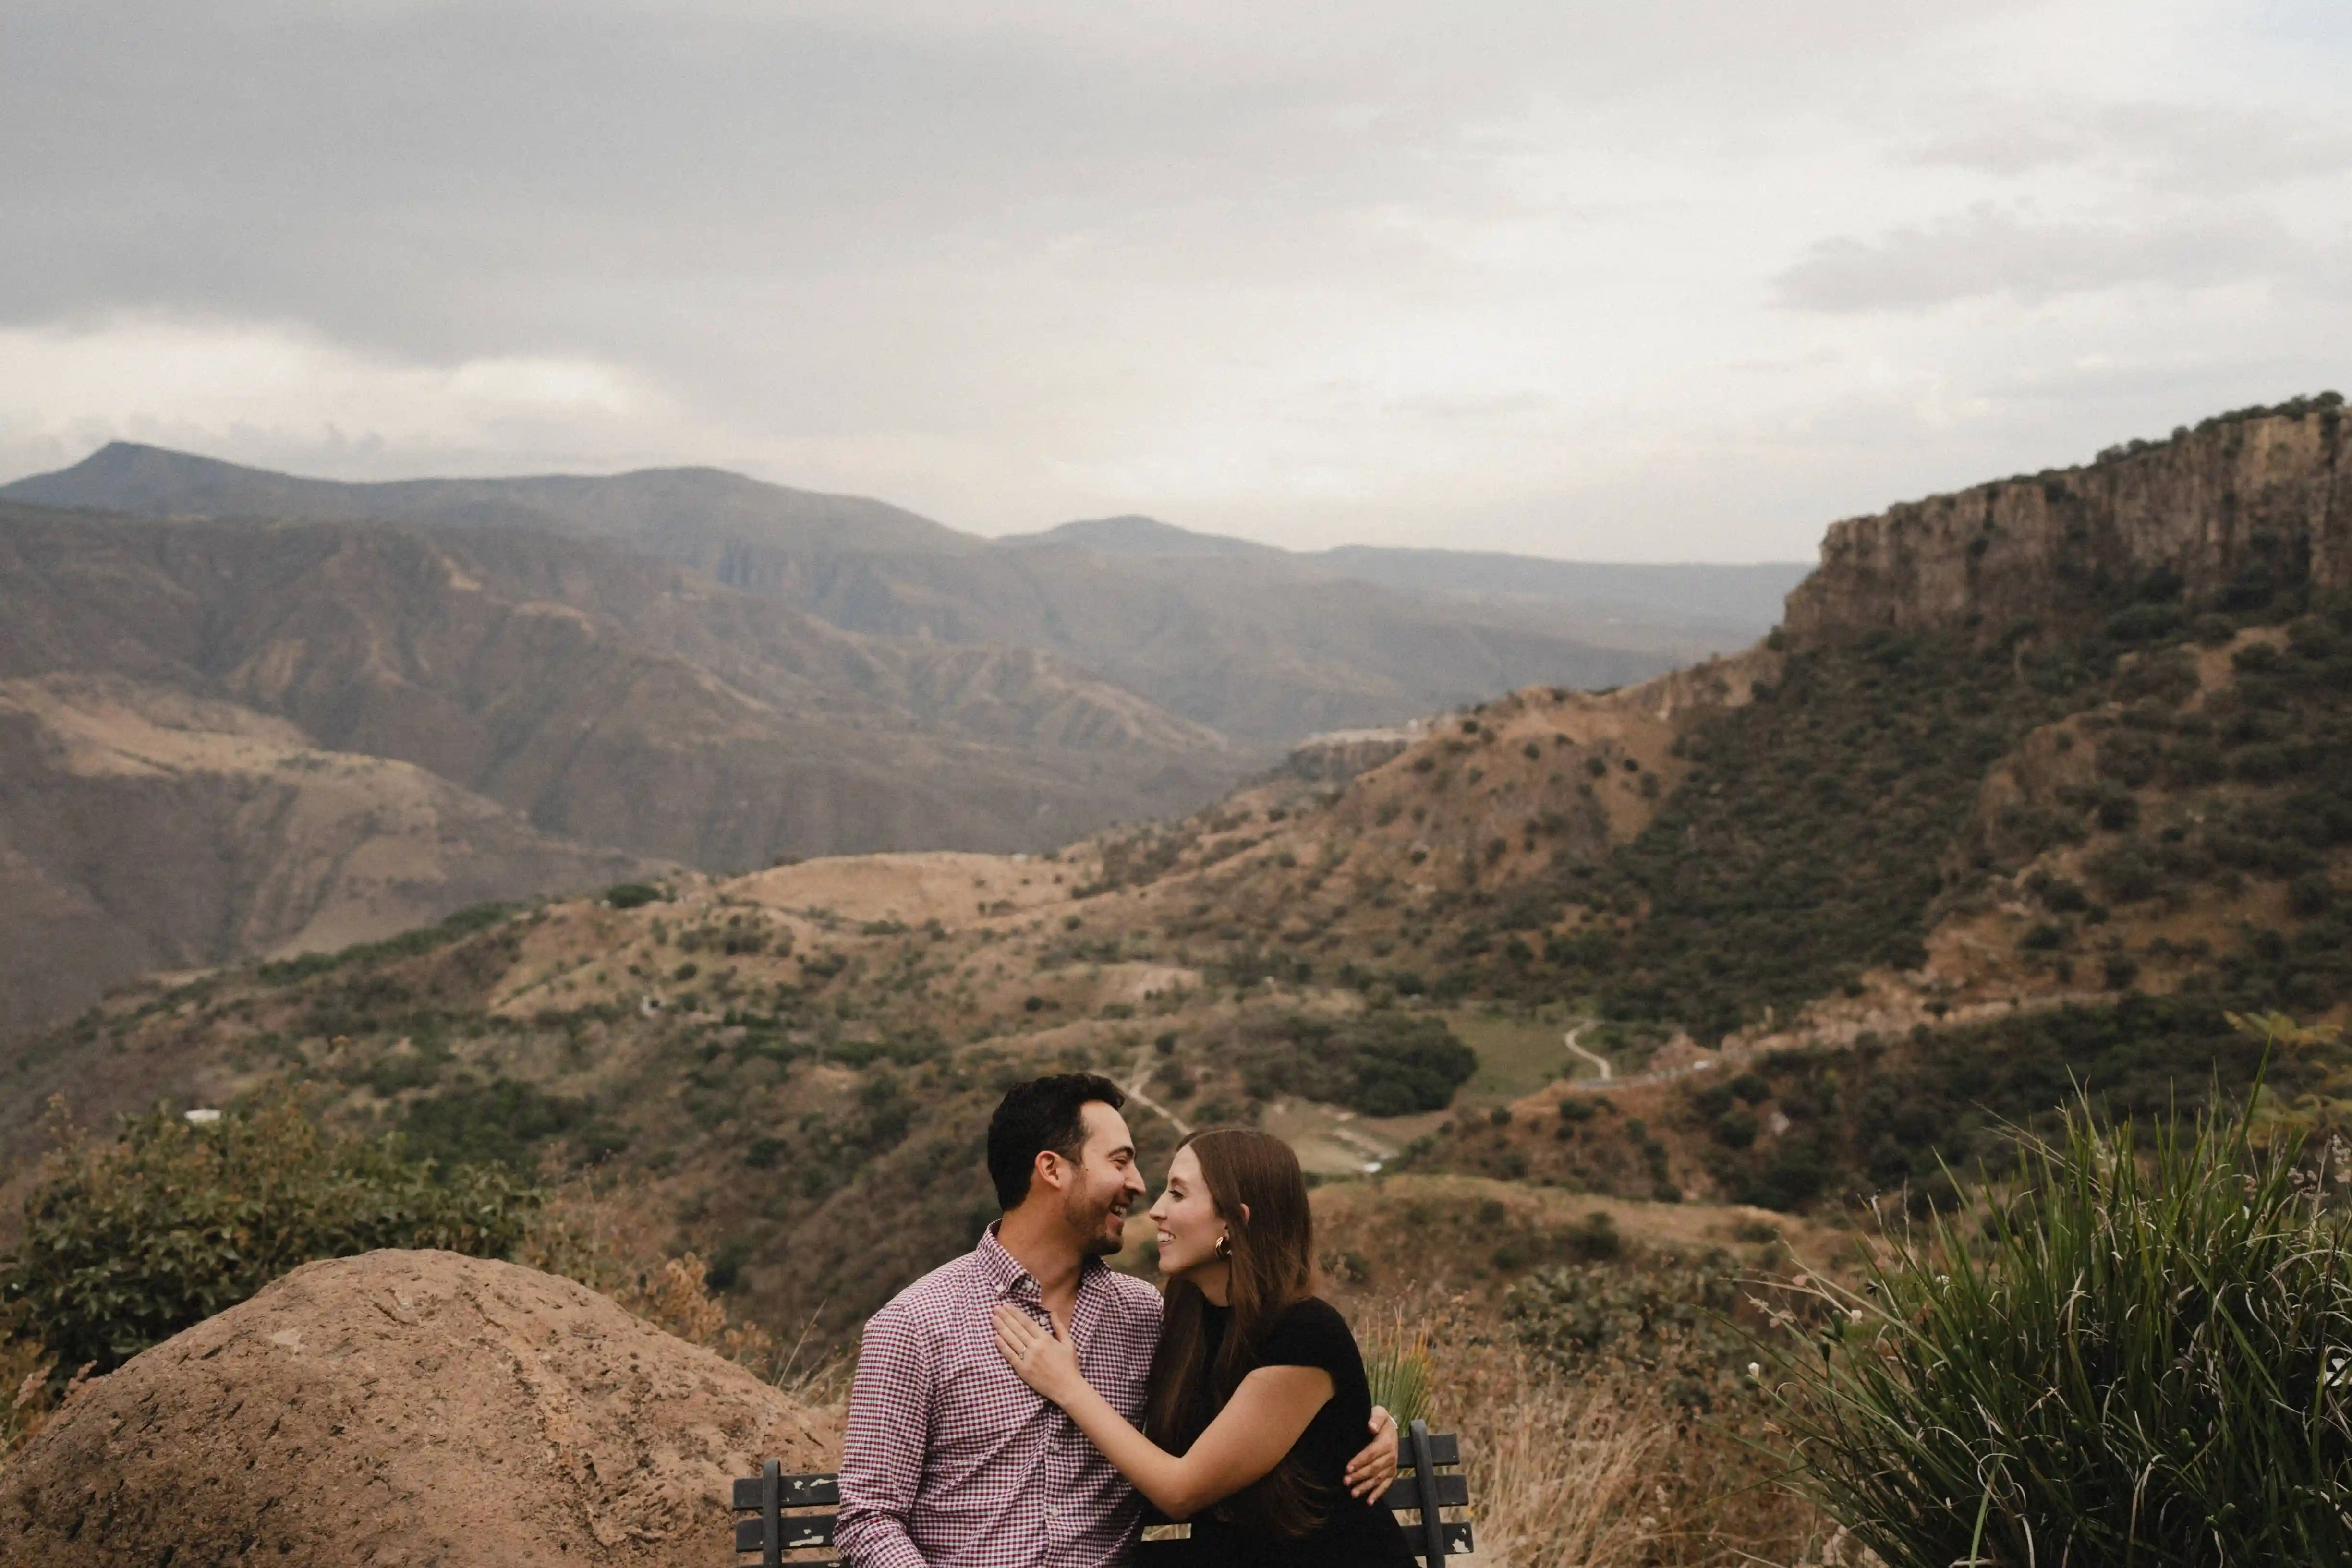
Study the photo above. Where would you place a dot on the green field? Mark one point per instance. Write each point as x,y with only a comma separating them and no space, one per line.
1517,1054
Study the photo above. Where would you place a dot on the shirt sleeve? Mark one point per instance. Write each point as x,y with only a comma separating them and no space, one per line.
883,1449
1311,1333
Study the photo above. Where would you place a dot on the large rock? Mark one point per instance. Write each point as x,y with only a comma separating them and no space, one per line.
2266,498
404,1408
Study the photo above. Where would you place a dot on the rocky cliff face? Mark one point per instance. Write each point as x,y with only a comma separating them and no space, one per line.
2229,512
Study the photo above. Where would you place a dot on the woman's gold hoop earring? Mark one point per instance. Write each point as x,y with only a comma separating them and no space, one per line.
1225,1244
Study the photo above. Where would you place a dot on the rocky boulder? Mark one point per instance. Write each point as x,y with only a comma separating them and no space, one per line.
404,1408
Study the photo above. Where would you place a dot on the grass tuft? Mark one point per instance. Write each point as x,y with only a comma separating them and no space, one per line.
2139,1352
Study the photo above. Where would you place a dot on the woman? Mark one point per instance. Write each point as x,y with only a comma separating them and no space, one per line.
1257,1396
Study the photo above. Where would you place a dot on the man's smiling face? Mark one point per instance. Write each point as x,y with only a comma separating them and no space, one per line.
1104,1183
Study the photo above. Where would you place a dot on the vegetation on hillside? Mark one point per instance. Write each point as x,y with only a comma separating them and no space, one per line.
2138,1357
129,1240
1382,1063
1903,1118
1806,843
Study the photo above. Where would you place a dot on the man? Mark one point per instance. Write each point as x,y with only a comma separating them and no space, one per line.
951,1461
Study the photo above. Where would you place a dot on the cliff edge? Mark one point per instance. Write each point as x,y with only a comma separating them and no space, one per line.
2237,509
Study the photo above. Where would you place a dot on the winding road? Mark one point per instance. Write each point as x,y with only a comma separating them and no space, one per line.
1135,1092
1602,1063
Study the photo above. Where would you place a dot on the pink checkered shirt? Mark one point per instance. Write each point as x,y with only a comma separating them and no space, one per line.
951,1461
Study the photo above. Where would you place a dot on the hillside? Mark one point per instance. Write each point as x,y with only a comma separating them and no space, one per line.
1261,644
143,828
1829,909
566,714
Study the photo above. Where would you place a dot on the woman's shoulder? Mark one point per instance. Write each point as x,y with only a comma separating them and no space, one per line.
1307,1333
1312,1311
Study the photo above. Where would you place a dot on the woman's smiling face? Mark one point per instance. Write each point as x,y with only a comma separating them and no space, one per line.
1185,1221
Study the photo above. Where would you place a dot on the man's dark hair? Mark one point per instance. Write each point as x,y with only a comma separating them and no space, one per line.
1043,1113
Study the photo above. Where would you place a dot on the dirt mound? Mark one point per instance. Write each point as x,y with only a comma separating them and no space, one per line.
404,1408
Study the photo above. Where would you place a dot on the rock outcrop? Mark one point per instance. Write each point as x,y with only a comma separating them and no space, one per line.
1337,756
2241,504
404,1408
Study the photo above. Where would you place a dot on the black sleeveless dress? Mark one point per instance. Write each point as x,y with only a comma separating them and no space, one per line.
1353,1535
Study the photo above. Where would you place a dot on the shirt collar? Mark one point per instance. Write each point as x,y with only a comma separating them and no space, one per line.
1007,1277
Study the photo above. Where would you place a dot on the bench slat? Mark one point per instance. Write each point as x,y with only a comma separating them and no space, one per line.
1445,1448
800,1491
1452,1492
1458,1544
805,1529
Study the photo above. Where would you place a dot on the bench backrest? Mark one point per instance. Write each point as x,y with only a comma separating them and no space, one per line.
771,1531
782,1519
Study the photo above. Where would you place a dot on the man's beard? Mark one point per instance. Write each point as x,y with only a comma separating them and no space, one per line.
1087,1218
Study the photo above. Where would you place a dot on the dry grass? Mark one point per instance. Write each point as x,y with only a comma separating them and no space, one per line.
599,1234
25,1398
1601,1472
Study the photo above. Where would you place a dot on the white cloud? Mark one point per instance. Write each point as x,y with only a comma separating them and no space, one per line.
271,394
1988,251
1686,280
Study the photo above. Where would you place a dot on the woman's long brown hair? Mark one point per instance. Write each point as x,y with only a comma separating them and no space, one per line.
1272,1267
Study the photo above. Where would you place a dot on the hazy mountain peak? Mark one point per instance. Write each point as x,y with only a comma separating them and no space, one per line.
1139,536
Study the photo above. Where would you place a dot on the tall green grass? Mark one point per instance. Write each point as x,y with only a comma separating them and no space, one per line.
1397,1366
2141,1354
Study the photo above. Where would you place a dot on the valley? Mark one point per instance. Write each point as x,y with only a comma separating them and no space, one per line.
1834,911
678,669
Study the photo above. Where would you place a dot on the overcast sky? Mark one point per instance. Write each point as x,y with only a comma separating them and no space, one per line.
1668,281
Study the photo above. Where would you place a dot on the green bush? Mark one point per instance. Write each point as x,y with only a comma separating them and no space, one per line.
634,894
126,1243
502,1121
467,922
1671,1319
1383,1064
2139,1356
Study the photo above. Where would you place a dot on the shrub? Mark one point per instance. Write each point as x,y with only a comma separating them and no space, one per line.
1593,1240
127,1243
1383,1064
2140,1359
1673,1320
2310,894
634,894
499,1123
467,922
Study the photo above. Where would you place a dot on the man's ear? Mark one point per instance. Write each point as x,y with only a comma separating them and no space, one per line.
1049,1169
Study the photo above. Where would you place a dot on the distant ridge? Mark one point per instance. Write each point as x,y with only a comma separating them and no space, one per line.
1141,536
1262,644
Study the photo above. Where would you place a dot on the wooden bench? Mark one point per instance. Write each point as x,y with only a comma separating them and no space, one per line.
785,1523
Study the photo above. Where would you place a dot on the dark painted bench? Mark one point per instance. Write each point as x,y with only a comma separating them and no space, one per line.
785,1522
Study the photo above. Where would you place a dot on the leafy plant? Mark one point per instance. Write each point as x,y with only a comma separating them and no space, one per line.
1397,1366
1664,1317
2139,1356
128,1243
1384,1064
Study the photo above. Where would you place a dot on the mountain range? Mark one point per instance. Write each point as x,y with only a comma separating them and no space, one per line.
247,713
1262,644
2040,785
